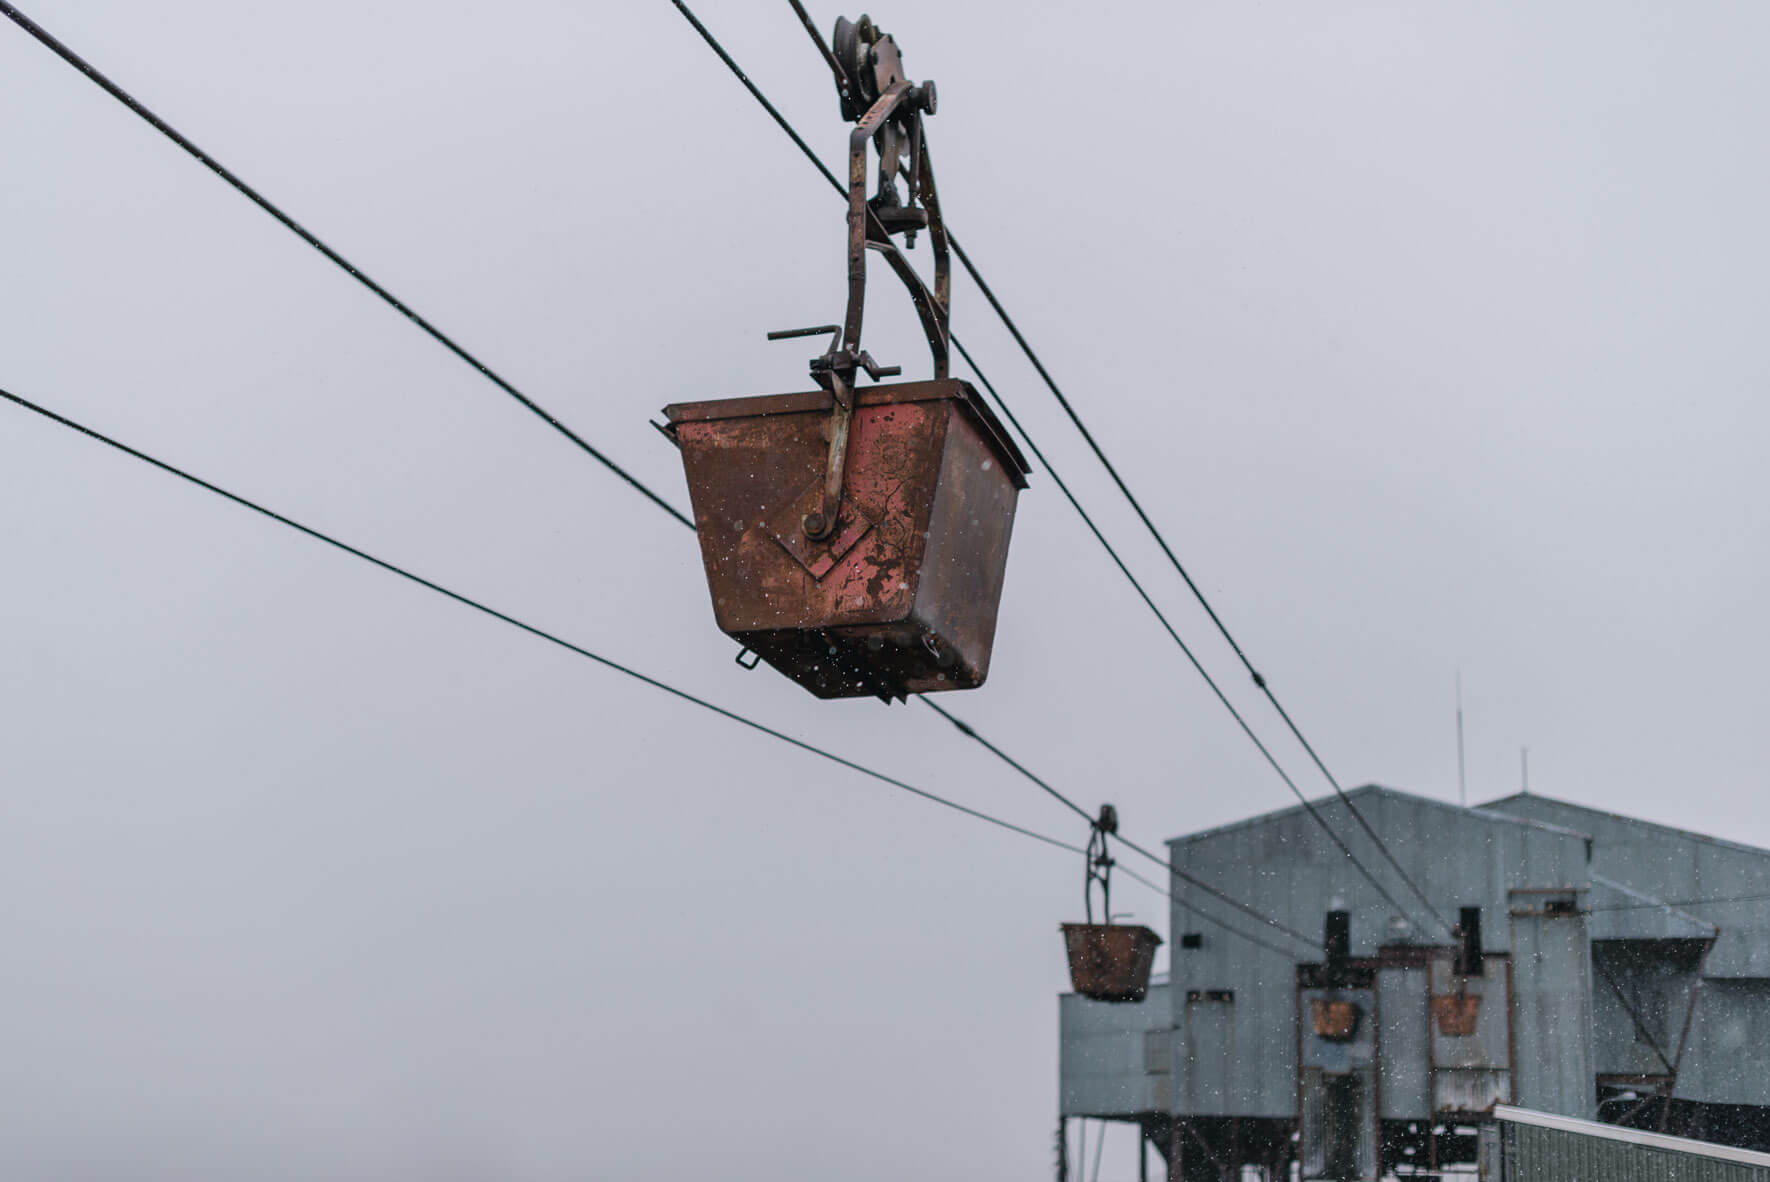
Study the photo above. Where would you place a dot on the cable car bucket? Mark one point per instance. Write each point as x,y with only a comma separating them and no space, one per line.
1107,961
857,539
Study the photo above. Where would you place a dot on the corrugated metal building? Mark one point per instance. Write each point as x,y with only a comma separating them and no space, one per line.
1543,967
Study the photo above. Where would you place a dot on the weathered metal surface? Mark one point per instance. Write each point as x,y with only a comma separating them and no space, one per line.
1282,864
1724,1062
857,541
1114,1058
1337,1082
1402,1059
1206,1049
901,596
1237,1050
1674,865
1334,1019
1471,1056
1110,961
1456,1014
1552,1007
1543,1147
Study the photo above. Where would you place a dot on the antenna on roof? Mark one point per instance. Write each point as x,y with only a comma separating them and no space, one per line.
1524,760
1462,783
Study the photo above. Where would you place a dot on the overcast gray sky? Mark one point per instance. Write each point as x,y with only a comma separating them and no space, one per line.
1433,336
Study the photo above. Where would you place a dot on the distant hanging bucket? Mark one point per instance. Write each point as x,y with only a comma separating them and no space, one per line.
900,597
1456,1013
1110,961
1333,1019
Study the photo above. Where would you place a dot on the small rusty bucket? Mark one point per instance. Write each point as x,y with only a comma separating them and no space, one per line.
1333,1019
1455,1013
1110,961
900,596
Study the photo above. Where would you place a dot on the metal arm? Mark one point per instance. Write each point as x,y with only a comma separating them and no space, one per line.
867,64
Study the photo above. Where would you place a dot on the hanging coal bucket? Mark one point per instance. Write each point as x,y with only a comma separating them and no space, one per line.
1333,1019
857,540
1456,1013
1107,961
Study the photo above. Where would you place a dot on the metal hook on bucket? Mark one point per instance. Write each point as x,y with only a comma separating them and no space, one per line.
1100,864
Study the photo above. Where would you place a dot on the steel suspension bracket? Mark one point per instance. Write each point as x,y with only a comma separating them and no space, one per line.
887,110
1100,864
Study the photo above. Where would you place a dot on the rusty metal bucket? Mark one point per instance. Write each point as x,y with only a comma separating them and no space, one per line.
1455,1013
1110,961
1333,1019
900,596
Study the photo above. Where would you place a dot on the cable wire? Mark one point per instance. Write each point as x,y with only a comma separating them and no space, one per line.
476,605
214,165
1075,418
253,195
232,179
1184,877
1246,729
579,650
1184,905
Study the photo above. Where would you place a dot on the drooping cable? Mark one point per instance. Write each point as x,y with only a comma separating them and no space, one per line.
1247,730
214,165
135,106
476,605
1216,921
805,148
1258,679
1198,884
579,650
253,195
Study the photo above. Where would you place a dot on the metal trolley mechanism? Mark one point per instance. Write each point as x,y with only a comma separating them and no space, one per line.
856,539
1107,961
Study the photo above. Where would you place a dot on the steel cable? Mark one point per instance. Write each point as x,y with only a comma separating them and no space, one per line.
476,605
233,180
253,195
990,296
551,638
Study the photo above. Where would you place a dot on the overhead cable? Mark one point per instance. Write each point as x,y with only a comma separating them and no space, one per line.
1164,863
214,165
792,133
1308,805
1075,418
253,195
576,649
476,605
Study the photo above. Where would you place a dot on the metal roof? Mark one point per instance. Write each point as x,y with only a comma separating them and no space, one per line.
1483,812
1623,913
1625,819
1592,1128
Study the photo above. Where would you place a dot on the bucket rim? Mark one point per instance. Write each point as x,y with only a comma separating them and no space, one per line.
933,390
1133,927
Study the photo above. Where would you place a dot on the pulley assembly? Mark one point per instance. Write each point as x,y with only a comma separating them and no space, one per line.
857,539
